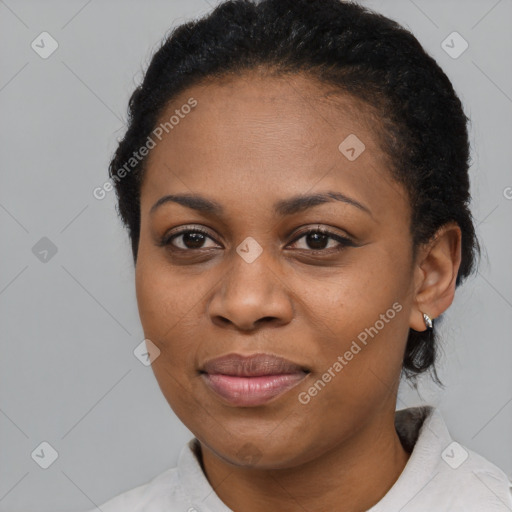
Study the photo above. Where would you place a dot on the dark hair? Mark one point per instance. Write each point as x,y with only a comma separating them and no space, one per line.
422,126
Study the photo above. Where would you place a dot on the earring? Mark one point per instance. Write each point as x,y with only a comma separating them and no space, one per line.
428,322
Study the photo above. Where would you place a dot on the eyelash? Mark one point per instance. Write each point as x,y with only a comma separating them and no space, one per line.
344,241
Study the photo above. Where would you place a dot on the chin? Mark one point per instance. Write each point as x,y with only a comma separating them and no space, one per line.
259,452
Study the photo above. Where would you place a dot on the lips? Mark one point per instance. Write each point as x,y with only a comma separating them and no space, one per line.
251,380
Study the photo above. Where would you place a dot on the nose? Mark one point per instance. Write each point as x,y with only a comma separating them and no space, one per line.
251,294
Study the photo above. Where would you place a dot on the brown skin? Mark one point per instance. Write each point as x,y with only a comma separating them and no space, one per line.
251,141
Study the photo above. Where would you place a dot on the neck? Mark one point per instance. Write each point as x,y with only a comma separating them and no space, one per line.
350,477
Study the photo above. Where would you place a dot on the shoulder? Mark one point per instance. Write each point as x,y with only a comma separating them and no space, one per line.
442,474
468,479
163,492
183,488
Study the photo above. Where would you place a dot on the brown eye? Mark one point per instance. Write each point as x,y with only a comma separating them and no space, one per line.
188,239
318,240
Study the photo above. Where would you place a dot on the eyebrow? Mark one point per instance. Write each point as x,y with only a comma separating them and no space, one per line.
283,207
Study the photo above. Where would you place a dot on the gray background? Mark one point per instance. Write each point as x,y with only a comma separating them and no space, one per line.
69,325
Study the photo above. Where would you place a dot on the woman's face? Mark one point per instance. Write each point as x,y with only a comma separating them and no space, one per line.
337,307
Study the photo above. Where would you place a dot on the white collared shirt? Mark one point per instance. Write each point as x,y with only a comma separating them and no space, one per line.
440,476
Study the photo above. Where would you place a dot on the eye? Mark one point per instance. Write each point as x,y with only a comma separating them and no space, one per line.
318,240
188,239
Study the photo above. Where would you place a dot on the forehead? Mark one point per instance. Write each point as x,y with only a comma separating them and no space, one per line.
268,135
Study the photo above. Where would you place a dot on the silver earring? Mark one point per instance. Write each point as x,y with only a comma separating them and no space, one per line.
428,322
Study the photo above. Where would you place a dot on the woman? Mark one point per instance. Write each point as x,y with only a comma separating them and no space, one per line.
294,180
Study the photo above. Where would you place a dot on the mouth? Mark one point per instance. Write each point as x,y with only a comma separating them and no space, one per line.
249,381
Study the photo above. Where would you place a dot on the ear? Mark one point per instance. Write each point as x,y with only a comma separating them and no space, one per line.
436,267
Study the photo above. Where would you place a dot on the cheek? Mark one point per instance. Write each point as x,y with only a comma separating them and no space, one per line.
166,303
165,295
354,298
166,308
358,358
361,315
